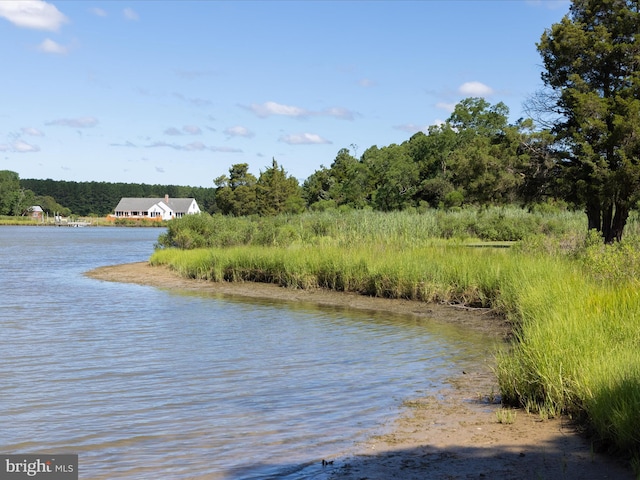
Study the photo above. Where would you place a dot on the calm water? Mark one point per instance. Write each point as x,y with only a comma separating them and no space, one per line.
145,383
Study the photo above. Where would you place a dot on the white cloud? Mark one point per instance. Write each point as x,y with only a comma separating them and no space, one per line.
18,146
192,129
125,144
81,122
130,14
303,139
36,14
34,132
98,12
225,149
162,144
475,89
49,46
272,108
338,112
365,82
192,147
188,129
238,131
24,147
195,146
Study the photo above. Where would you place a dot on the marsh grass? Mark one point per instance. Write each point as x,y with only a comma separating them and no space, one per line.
577,353
419,273
11,220
574,304
506,416
354,227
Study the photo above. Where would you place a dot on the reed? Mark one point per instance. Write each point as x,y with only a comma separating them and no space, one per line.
396,228
423,273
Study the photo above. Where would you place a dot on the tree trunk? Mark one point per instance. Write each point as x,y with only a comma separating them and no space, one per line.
613,223
594,215
609,219
619,222
607,222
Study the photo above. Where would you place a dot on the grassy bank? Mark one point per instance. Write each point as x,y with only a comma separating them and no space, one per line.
574,303
93,221
10,220
578,340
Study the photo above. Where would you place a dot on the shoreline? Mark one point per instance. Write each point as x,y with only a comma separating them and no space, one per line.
452,434
142,273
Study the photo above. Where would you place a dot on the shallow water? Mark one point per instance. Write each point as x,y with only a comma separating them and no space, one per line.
147,383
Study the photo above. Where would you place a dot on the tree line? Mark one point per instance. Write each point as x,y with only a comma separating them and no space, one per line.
475,158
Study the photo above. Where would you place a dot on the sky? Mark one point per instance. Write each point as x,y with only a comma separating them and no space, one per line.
177,91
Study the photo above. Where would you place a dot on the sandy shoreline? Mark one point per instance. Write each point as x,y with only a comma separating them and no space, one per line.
454,435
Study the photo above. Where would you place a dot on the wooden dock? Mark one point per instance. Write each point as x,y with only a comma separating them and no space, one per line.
73,224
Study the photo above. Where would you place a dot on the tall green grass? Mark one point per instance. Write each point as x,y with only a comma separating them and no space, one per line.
578,343
423,273
574,303
346,228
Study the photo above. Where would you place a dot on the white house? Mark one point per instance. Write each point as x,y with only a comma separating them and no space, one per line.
155,208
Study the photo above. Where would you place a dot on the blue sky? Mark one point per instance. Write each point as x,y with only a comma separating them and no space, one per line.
175,92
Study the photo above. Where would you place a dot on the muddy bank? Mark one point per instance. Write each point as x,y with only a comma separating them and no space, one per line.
162,277
452,435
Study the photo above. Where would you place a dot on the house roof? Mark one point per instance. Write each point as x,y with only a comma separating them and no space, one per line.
129,204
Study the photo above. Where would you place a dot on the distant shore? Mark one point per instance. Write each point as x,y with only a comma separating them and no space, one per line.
453,435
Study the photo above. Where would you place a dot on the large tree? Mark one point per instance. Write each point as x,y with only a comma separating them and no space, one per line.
473,157
395,177
14,200
277,192
9,191
485,163
592,71
236,194
345,183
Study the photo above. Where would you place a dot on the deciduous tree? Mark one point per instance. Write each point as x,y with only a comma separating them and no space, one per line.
14,200
395,177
